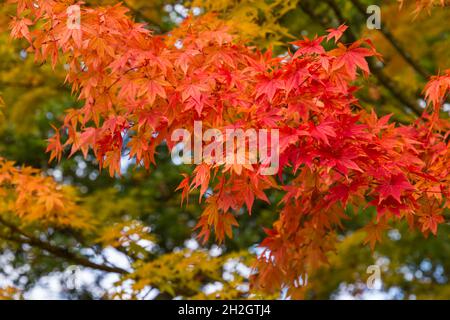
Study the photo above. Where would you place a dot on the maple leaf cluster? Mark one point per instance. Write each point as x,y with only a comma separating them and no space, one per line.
34,198
436,91
332,152
425,4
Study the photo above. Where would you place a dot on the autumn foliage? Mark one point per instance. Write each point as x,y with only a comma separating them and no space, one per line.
425,4
333,152
36,198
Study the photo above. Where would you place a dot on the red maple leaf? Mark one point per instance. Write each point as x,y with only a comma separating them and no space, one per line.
394,187
336,33
352,57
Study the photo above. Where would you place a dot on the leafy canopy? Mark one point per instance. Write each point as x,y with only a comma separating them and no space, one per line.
142,86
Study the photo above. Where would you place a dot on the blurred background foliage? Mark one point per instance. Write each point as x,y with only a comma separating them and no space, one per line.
171,263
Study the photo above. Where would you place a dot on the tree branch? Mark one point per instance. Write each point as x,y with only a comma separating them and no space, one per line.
55,250
377,71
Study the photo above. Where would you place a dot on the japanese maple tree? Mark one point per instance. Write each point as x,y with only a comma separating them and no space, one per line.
333,153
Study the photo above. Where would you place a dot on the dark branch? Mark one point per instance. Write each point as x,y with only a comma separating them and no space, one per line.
377,71
55,250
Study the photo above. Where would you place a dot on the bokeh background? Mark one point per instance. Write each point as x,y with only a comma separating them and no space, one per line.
414,47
